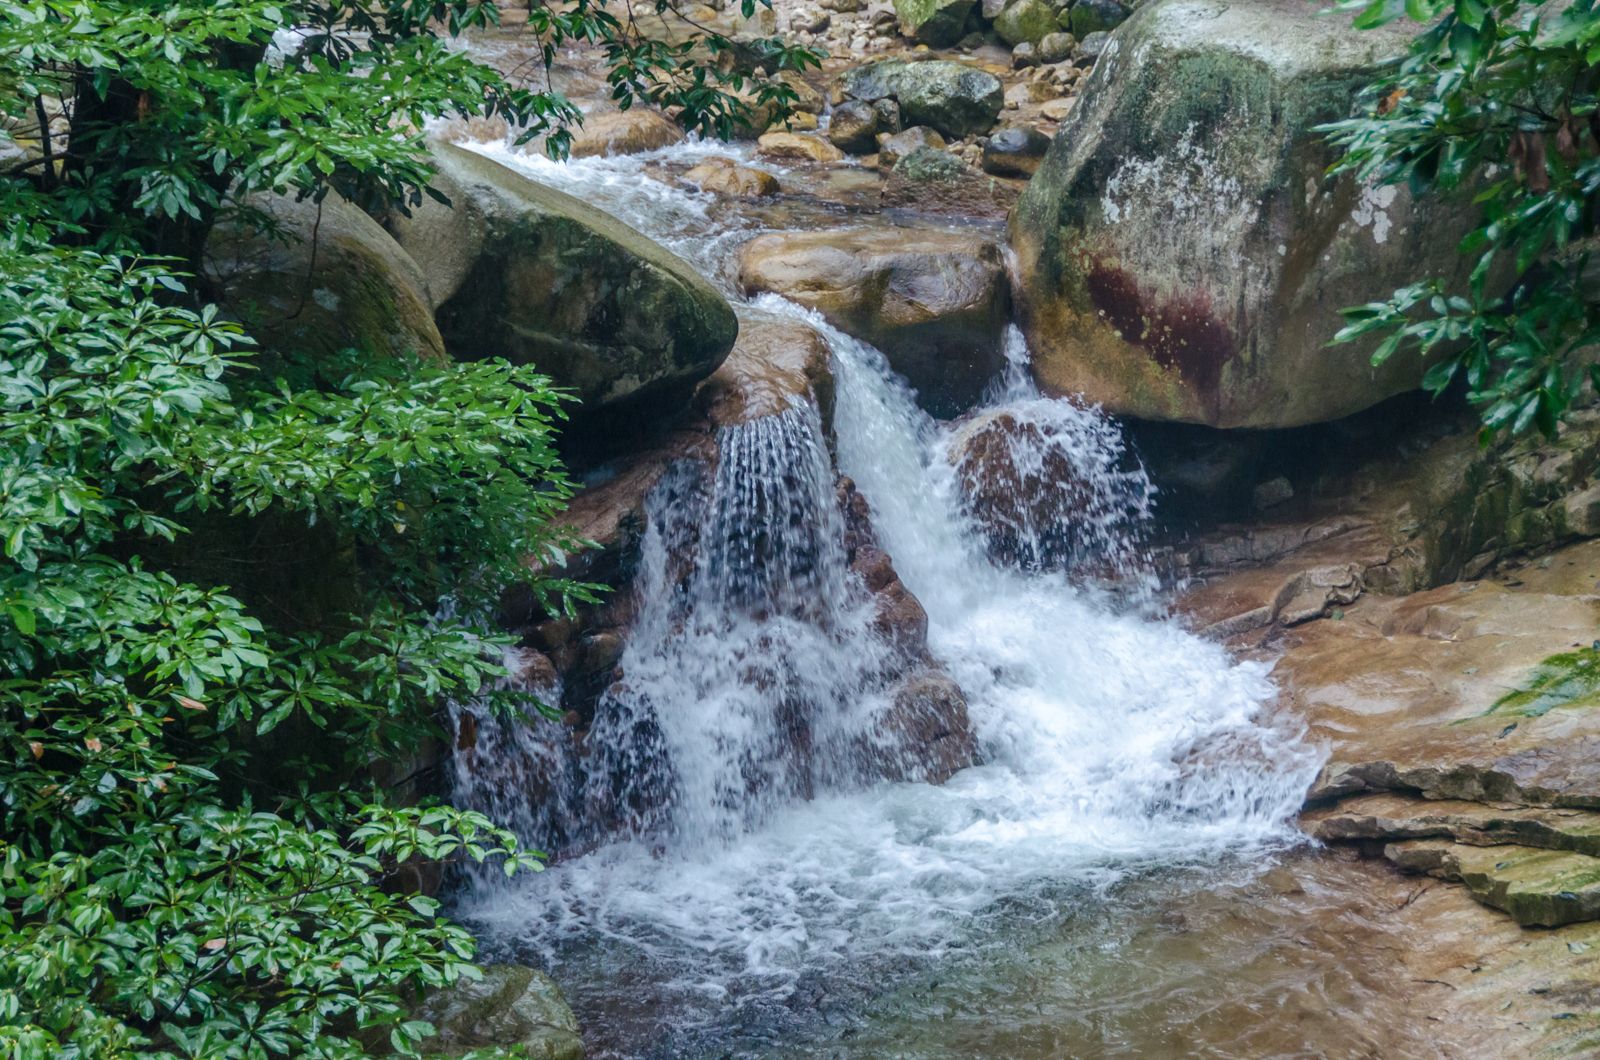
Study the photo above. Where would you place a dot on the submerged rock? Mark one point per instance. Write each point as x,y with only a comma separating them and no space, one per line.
1025,495
341,282
522,271
624,132
1181,254
955,98
724,176
935,302
929,713
510,1007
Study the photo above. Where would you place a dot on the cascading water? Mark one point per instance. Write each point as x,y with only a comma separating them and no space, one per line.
754,678
765,872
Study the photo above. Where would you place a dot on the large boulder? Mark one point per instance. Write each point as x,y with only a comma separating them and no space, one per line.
935,302
338,282
939,23
523,271
1182,255
954,98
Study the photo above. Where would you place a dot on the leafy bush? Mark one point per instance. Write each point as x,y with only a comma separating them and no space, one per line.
224,596
176,111
1496,102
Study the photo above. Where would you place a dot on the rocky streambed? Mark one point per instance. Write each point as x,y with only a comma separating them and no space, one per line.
934,712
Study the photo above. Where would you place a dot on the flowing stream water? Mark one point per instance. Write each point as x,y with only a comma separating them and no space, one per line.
770,903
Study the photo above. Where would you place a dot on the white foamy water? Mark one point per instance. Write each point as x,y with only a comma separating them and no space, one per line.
1112,740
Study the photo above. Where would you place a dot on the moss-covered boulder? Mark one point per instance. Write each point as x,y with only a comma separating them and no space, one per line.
1182,255
519,270
937,22
954,98
511,1007
331,280
1025,22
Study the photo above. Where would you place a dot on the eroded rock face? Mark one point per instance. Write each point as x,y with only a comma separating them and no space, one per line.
1405,693
625,132
341,283
954,98
1182,256
522,271
935,302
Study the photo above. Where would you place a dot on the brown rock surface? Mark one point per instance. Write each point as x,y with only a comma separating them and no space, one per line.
774,364
1403,693
934,301
625,132
797,147
724,176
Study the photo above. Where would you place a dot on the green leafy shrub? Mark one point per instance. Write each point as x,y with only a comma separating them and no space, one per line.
223,595
1496,104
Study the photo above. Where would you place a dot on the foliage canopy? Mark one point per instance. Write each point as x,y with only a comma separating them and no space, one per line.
1497,103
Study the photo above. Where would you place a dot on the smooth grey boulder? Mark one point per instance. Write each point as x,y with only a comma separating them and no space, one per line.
1181,253
519,270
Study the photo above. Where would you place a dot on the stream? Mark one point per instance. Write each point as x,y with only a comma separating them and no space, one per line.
1124,762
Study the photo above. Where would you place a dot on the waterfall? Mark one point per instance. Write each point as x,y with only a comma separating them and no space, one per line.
762,859
750,674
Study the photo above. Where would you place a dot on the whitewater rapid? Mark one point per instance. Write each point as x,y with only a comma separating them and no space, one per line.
1112,740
